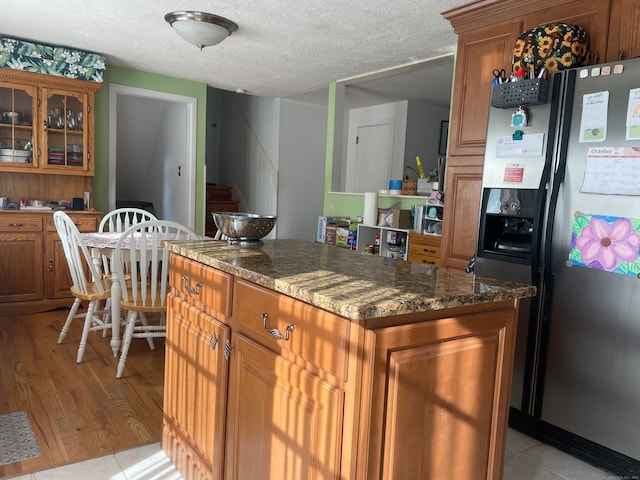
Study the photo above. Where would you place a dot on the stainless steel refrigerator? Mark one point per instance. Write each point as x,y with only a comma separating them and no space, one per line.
561,210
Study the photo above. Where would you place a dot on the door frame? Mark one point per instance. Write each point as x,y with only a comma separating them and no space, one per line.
191,104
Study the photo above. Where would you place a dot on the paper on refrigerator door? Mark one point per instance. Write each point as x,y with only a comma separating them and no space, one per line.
612,171
530,145
593,123
633,115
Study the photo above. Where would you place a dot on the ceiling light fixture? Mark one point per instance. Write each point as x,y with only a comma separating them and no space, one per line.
199,28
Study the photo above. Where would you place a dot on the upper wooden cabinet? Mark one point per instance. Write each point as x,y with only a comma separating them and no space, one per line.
18,111
487,31
479,52
46,124
590,15
624,32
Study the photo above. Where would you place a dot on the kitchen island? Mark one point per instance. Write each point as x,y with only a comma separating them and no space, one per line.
295,360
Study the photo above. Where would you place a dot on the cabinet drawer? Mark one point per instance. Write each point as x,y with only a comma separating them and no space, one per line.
426,259
424,249
316,336
84,223
202,286
20,223
430,250
416,239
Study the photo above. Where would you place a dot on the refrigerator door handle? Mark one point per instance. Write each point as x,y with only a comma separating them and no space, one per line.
561,162
548,276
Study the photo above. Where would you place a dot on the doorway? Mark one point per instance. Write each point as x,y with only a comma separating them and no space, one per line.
152,151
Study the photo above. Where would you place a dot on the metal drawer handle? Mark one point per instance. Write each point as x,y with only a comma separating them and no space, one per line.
16,224
426,250
227,349
429,262
274,331
213,341
189,288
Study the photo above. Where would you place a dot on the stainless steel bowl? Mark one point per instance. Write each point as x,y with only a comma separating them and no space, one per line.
244,227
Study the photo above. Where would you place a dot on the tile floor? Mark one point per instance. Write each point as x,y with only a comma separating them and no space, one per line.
526,459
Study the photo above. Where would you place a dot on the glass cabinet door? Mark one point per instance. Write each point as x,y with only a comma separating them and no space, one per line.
17,114
65,133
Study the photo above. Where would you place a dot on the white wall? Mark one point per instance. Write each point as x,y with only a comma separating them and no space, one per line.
135,146
249,151
151,141
303,129
272,153
423,134
165,179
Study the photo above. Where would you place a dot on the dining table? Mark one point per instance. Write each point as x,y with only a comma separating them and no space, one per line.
104,243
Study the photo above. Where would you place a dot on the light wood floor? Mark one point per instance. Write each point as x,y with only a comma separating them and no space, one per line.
77,411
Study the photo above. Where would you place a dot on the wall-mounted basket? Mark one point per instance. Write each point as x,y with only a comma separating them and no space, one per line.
522,92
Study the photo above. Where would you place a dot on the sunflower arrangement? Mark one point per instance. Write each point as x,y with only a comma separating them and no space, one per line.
552,47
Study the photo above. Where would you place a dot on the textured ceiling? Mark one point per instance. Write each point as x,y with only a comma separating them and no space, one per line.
283,48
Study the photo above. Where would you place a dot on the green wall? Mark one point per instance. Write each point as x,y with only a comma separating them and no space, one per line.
149,81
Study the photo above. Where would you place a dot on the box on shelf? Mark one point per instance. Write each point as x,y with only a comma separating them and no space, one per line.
401,219
340,231
342,236
330,236
352,241
321,232
346,232
424,187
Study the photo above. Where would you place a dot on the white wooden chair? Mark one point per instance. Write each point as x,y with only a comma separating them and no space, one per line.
93,290
140,252
119,220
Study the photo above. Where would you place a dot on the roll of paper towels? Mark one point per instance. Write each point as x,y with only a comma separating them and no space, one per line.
370,209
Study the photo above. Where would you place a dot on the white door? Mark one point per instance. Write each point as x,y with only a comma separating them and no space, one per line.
378,155
374,151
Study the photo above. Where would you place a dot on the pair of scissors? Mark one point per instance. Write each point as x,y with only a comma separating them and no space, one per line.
499,76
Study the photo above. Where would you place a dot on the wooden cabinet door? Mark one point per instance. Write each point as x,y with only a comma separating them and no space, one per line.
17,126
440,397
56,269
282,422
461,213
66,146
57,277
624,31
479,52
20,267
195,389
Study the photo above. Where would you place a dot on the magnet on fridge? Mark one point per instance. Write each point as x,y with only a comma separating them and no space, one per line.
517,135
520,117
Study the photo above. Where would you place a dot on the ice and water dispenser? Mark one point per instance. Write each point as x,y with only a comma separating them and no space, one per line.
507,224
